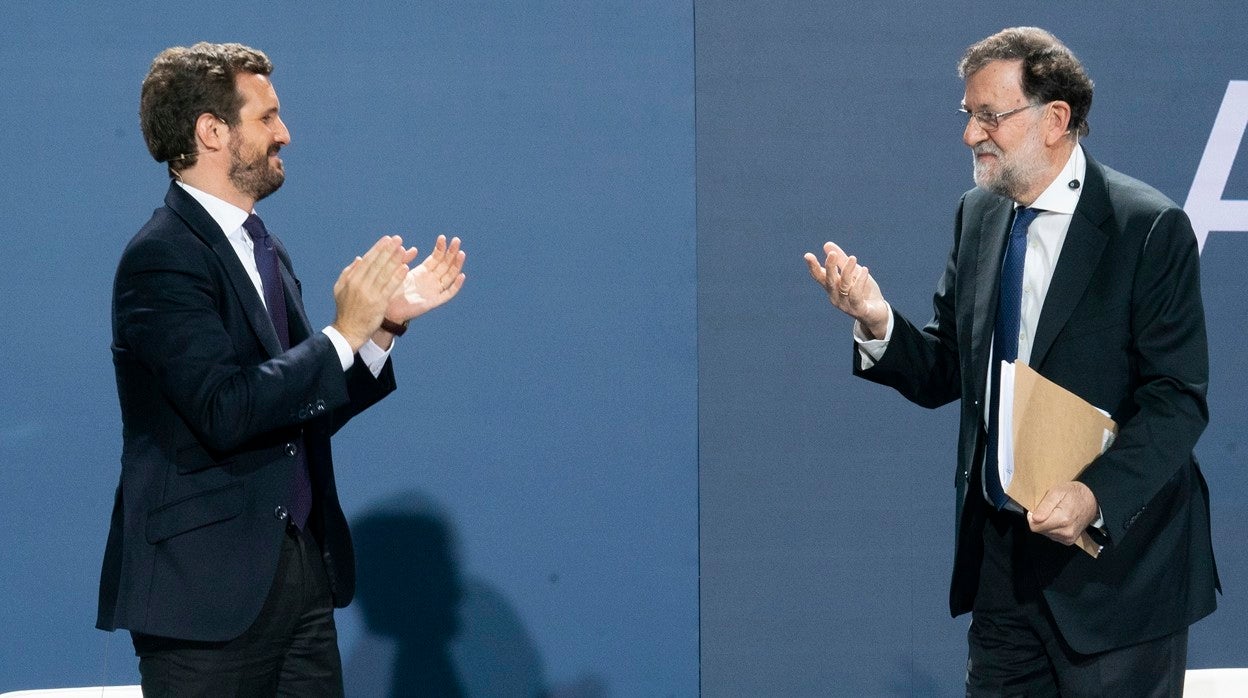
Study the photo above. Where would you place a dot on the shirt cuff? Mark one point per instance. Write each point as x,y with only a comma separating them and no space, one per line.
375,357
871,350
343,347
372,355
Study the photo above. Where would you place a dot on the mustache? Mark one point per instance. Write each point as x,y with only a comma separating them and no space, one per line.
986,148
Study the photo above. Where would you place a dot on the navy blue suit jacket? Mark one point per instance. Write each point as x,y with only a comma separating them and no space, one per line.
212,410
1123,327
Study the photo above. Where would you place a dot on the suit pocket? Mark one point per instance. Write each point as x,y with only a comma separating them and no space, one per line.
196,511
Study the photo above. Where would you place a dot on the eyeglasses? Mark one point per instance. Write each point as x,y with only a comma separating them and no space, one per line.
989,121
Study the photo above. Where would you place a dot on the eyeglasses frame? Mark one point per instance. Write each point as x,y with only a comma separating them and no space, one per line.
991,121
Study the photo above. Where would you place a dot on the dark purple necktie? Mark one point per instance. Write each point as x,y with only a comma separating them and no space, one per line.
275,302
1005,339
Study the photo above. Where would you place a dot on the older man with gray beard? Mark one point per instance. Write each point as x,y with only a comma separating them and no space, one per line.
1092,279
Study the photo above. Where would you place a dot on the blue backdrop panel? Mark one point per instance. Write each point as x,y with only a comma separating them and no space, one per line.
826,501
525,505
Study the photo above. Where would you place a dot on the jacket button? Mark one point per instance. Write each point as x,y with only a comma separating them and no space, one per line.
280,513
291,449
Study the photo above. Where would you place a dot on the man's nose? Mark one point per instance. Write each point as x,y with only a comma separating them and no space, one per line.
973,134
282,136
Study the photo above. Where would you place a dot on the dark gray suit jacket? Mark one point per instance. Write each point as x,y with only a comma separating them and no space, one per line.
212,410
1123,327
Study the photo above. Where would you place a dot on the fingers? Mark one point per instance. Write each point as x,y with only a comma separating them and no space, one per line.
846,280
840,269
381,269
347,272
445,256
363,269
835,257
448,275
817,272
454,270
826,274
1054,525
453,251
1056,517
390,285
858,285
839,274
446,262
1045,508
449,257
441,250
385,256
454,286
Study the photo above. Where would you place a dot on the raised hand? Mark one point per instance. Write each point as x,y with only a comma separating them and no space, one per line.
365,287
851,288
429,284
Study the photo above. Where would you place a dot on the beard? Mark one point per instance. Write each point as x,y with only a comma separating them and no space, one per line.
1010,176
255,177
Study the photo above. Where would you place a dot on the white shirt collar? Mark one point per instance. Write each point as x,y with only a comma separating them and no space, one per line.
1060,197
226,214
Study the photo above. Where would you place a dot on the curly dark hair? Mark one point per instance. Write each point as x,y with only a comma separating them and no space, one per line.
1050,71
184,83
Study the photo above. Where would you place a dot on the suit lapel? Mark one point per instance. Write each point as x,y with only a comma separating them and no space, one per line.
207,229
300,326
1080,256
994,230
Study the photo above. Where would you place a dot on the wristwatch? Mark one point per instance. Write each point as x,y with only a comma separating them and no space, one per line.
393,327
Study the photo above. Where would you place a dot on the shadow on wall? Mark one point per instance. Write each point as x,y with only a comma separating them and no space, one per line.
429,631
912,680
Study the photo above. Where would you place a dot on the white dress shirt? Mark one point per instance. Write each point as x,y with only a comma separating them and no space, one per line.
230,218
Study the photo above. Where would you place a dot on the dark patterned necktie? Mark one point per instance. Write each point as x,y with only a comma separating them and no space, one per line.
1005,340
275,302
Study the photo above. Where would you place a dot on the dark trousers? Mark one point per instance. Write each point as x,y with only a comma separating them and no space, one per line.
1017,650
290,650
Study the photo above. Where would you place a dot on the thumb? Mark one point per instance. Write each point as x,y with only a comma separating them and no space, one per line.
1045,508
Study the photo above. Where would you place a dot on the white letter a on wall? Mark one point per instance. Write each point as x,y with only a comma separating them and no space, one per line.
1205,205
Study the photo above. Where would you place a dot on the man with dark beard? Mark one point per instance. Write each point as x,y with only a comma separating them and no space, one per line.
228,549
1092,279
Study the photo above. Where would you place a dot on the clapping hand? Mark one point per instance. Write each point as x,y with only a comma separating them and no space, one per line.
429,284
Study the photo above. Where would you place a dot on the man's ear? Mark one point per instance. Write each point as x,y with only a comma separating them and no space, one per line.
211,133
1057,122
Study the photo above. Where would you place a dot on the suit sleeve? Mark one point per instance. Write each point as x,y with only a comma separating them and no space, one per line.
170,308
1168,355
364,390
